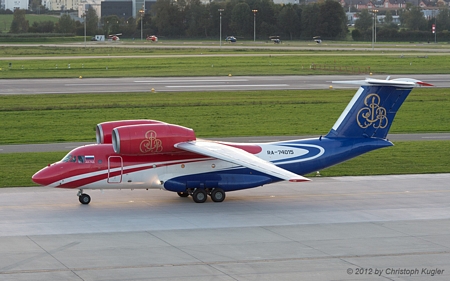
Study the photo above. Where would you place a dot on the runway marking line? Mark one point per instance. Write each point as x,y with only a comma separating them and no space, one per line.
226,85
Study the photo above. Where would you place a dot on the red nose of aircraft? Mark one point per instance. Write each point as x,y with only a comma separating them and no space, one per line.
43,177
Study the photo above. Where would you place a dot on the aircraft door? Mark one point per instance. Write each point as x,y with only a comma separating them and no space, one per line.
115,169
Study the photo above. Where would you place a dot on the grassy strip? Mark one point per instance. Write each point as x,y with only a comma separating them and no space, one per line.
63,118
132,47
222,66
16,169
107,49
404,158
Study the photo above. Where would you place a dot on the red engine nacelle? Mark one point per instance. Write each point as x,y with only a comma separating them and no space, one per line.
149,139
103,130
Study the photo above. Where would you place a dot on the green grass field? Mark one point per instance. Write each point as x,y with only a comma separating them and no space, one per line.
210,62
66,118
263,64
5,20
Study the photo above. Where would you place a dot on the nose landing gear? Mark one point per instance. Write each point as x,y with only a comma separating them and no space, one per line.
83,198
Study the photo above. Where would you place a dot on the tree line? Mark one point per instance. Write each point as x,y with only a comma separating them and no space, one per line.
413,26
191,18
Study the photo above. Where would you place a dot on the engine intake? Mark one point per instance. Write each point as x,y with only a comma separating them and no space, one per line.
149,139
103,131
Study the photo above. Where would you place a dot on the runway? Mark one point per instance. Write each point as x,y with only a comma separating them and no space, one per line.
346,228
177,84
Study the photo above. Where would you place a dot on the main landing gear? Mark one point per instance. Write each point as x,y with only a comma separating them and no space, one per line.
83,198
199,195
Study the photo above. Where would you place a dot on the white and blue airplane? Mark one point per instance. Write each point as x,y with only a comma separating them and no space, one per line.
150,154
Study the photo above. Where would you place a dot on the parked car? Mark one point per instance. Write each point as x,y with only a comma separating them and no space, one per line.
231,39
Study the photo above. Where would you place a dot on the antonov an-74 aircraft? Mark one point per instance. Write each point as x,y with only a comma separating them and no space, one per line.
149,154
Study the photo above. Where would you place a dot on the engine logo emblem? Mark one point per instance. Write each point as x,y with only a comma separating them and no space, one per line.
372,114
151,143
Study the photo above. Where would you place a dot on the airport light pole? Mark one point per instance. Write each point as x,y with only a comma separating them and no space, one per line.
254,24
84,16
220,11
433,28
141,12
374,27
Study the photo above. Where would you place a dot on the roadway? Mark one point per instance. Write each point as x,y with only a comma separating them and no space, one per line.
259,45
327,229
171,84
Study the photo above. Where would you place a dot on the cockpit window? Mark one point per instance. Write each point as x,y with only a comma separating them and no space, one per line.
80,159
67,158
76,158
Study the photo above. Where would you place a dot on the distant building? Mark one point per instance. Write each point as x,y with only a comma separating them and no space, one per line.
285,2
16,4
61,5
120,8
391,4
353,17
83,7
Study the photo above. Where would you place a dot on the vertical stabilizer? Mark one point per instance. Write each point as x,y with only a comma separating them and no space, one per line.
372,110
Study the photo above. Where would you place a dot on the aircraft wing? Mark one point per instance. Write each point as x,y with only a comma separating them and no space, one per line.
240,157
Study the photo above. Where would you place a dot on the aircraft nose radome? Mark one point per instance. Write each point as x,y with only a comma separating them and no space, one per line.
41,178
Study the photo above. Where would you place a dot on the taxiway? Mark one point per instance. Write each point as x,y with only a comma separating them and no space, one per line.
67,146
183,84
328,229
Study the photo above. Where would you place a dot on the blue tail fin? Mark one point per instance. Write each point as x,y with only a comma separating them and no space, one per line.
372,110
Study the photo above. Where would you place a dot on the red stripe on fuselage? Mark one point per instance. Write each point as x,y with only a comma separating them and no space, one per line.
62,171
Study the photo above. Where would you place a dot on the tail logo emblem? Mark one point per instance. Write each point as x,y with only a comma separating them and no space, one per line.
151,143
373,114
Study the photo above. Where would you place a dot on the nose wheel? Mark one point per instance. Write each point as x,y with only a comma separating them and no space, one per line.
83,198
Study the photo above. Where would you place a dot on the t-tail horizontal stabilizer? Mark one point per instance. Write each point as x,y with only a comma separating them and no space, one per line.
372,110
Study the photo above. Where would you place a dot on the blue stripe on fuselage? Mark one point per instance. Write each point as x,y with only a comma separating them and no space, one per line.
334,151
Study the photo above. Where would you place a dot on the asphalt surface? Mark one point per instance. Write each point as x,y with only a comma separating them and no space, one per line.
171,84
67,146
347,228
258,45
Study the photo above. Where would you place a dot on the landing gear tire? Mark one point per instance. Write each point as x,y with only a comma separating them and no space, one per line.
199,195
217,195
183,194
84,199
